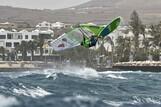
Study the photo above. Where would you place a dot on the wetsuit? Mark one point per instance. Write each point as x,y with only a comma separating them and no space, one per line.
93,41
89,42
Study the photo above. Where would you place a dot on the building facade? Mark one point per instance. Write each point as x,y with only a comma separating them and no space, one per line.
9,40
46,25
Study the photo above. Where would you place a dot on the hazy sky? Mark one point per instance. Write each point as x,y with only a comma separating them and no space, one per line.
42,4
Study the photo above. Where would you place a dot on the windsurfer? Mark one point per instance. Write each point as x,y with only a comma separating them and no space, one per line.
89,42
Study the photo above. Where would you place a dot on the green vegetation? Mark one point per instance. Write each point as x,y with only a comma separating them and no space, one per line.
2,51
133,46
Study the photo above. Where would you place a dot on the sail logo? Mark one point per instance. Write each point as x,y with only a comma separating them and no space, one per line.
61,45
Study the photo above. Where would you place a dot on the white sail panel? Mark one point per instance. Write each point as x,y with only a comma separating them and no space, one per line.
67,40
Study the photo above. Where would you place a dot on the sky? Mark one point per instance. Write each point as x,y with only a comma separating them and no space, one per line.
42,4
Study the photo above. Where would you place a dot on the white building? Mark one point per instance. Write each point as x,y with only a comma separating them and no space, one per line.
46,25
43,26
10,39
57,25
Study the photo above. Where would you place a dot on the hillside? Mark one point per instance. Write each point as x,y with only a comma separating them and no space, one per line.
98,11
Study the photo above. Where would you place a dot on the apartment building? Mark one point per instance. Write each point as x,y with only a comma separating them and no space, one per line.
10,39
46,25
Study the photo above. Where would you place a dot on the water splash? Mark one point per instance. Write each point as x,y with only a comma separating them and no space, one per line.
31,92
8,101
76,71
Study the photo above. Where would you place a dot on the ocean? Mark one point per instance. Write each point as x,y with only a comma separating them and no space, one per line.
80,87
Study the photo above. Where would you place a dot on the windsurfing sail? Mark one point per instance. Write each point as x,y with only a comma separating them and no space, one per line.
69,40
110,27
95,29
76,36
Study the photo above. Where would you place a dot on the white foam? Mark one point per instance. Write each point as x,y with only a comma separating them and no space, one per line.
113,103
8,101
146,100
116,76
136,101
31,92
80,99
117,72
26,73
15,74
153,101
3,87
53,75
82,72
76,71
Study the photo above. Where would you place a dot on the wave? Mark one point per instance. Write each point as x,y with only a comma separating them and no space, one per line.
15,75
113,103
75,71
149,100
119,72
8,101
3,87
31,92
135,101
116,76
81,100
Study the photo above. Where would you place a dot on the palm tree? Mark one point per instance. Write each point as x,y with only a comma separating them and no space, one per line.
156,33
111,54
142,31
136,26
119,48
23,49
41,40
2,51
32,45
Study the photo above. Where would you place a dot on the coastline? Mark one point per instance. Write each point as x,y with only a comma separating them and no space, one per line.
18,66
146,66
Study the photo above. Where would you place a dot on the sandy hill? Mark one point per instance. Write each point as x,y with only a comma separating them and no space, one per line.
98,11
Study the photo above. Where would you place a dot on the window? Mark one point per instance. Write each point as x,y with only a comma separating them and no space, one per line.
2,36
8,44
46,51
19,36
34,36
16,44
26,36
7,51
29,52
9,36
37,51
1,44
45,36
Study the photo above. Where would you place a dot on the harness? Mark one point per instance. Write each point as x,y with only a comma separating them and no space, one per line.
86,40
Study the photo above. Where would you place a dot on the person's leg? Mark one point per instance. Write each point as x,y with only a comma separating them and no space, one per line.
93,42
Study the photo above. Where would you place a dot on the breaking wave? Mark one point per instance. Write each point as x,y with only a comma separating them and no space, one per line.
34,92
81,101
135,101
116,76
75,71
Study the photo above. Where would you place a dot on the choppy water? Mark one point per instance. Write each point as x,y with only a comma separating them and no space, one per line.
80,87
